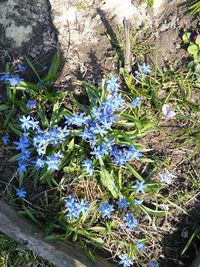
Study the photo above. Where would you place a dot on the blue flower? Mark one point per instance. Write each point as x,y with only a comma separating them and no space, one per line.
96,113
23,144
70,201
139,187
114,103
146,69
119,157
74,209
32,103
87,163
45,68
39,163
107,145
131,222
5,139
87,134
22,68
125,260
133,152
53,161
22,167
14,80
112,85
167,178
140,245
98,129
78,119
122,203
83,206
137,75
106,210
21,193
138,201
153,264
28,123
4,77
97,152
136,102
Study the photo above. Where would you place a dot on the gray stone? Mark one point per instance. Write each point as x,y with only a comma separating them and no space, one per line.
26,29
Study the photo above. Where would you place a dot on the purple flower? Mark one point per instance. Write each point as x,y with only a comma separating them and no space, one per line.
125,260
106,210
5,139
193,36
167,112
131,222
22,68
21,193
32,103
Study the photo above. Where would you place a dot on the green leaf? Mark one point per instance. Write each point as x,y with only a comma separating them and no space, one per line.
50,238
15,129
14,158
193,49
108,181
153,212
4,107
53,70
197,41
98,229
186,37
33,68
27,212
135,173
189,242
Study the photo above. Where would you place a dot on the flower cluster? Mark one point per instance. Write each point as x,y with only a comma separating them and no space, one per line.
40,141
96,127
75,209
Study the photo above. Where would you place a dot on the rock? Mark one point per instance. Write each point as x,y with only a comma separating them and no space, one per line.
26,29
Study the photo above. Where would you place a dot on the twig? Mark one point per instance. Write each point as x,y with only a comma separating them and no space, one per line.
127,50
